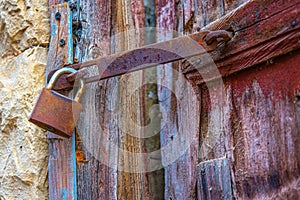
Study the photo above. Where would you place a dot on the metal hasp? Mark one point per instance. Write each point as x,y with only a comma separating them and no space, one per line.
150,56
57,113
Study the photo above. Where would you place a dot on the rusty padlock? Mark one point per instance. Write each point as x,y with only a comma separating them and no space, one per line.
57,113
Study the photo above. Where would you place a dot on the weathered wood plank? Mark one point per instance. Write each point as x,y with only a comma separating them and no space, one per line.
178,102
250,31
60,29
133,181
151,113
113,107
256,125
208,11
258,129
214,180
250,13
61,169
258,42
230,5
62,166
95,179
266,143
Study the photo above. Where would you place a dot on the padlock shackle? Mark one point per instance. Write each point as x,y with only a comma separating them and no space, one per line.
60,72
79,91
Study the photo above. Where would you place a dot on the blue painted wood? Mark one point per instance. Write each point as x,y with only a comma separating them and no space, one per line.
74,165
70,61
70,38
62,151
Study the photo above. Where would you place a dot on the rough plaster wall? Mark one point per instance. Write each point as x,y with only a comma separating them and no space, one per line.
24,36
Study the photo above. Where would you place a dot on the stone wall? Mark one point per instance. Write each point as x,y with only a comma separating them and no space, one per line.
24,37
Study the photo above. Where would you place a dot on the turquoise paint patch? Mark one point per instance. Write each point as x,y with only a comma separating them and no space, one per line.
54,29
63,194
70,38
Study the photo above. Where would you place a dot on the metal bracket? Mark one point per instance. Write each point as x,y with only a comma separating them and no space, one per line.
148,56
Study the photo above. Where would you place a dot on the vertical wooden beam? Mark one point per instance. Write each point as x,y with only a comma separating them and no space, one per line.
97,132
132,176
111,105
62,166
180,126
150,104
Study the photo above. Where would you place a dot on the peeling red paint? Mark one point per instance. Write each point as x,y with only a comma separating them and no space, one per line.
277,78
261,127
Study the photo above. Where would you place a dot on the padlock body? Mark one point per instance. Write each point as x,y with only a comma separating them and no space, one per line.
56,113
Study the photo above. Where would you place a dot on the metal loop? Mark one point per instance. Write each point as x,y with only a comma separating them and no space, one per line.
79,91
213,36
60,72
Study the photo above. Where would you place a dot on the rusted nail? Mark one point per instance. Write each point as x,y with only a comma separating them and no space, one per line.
57,15
62,42
76,60
77,75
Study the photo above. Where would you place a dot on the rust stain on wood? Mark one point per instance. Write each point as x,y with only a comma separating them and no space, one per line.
80,158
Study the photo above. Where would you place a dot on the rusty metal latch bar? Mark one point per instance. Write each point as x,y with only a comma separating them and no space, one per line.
149,56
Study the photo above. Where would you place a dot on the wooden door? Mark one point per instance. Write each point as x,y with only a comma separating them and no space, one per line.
164,134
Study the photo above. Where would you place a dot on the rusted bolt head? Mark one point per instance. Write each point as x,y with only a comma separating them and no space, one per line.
62,42
57,15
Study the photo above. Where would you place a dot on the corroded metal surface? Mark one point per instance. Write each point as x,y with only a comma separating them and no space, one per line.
149,56
56,113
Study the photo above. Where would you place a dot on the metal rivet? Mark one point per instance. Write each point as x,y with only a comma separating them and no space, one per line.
57,15
62,42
